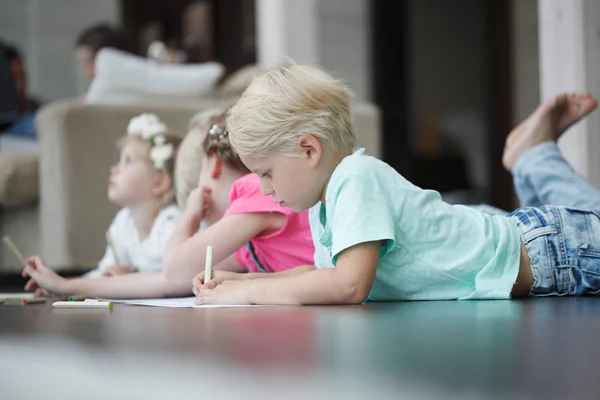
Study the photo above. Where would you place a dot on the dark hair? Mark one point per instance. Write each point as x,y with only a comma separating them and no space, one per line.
217,142
103,35
11,52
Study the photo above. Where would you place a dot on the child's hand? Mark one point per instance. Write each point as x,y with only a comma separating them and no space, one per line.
42,279
117,270
198,203
218,278
228,292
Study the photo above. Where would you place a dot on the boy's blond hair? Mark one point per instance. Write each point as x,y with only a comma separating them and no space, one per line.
189,159
285,102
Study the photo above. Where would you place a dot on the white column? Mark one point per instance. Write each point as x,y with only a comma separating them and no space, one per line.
287,28
345,42
570,61
525,59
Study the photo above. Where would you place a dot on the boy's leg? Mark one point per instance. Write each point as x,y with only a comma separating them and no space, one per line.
541,175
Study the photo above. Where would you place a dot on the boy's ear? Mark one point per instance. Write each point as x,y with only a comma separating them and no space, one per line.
217,169
310,148
163,183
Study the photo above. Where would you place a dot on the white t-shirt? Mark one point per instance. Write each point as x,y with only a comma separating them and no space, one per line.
143,256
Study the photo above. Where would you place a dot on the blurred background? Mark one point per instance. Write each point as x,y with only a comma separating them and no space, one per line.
433,67
442,82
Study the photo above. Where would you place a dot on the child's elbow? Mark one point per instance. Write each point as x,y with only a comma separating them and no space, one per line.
358,298
356,294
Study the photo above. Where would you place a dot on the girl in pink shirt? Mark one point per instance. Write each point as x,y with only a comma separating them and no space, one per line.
249,232
273,252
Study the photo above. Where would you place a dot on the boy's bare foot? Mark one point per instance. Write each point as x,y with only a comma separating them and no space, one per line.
551,119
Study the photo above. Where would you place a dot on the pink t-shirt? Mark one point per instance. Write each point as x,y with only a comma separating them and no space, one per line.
287,248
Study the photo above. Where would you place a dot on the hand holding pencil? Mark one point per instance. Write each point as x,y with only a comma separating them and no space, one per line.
31,284
218,277
42,278
209,279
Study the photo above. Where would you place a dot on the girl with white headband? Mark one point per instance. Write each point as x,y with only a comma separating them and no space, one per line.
141,183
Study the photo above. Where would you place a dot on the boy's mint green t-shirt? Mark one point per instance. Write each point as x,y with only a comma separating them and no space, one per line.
431,251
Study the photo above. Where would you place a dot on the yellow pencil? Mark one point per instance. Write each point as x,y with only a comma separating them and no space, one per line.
13,249
111,245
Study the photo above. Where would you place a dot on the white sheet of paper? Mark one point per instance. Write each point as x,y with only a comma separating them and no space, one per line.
178,302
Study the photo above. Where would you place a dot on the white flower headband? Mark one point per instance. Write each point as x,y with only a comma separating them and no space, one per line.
149,127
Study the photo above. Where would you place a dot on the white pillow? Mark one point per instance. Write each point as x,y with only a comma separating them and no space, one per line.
122,77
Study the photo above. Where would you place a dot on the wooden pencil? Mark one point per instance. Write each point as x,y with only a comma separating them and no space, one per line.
37,300
13,249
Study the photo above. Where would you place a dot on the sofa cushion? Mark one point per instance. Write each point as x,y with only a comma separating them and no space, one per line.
18,179
124,78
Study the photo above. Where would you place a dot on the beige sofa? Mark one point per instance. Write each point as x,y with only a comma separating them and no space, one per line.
76,150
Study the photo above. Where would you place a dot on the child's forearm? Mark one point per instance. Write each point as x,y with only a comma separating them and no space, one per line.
176,257
281,274
130,286
185,255
320,286
183,259
187,227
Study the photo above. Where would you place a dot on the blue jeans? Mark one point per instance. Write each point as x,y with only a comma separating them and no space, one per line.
564,249
23,127
563,241
542,176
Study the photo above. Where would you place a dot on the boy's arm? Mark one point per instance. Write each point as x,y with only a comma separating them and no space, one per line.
281,274
360,235
349,283
224,272
270,275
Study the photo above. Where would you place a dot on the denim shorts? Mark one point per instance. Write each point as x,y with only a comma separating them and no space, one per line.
564,248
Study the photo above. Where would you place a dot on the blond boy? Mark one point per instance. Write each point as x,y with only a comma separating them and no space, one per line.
379,237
